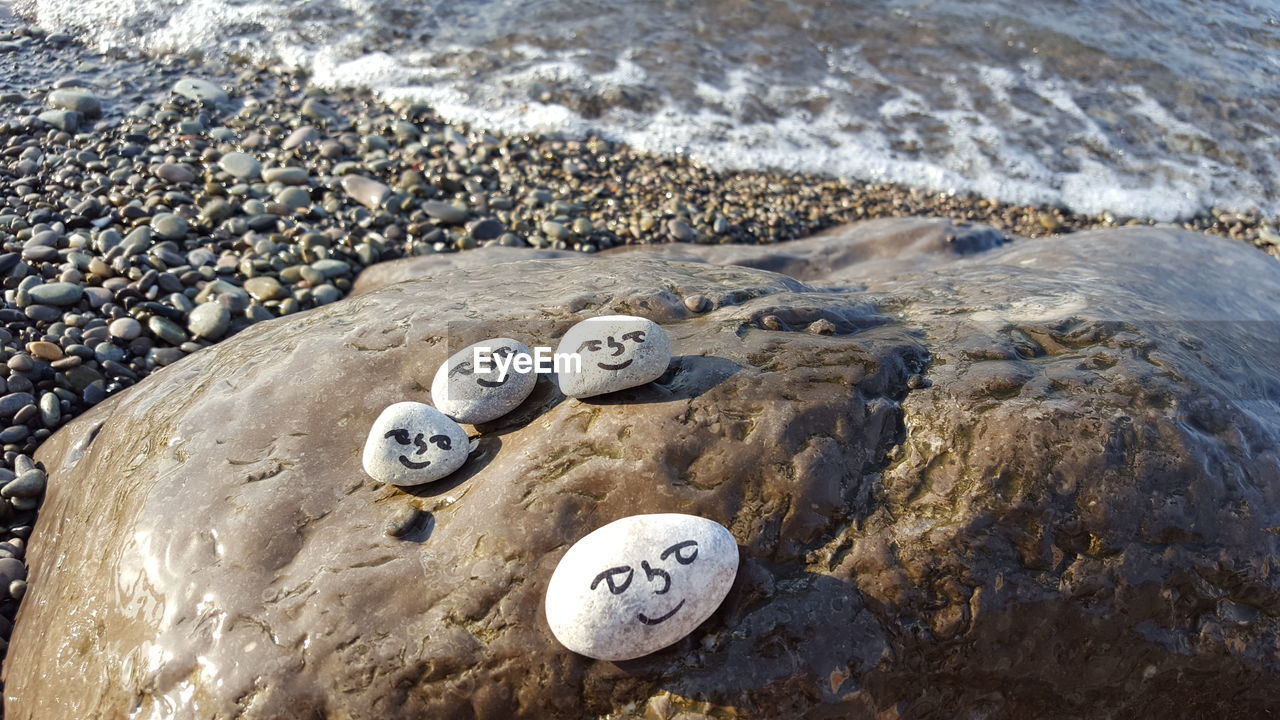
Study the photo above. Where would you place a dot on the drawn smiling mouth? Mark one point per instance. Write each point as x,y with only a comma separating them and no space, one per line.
413,465
654,621
619,366
491,383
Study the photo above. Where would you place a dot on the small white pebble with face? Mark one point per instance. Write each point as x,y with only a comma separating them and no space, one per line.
475,394
412,443
639,584
617,352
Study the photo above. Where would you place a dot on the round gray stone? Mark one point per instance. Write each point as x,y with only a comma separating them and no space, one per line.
167,330
200,90
169,226
412,443
125,328
81,101
209,320
616,351
60,294
467,395
445,212
294,197
240,165
286,175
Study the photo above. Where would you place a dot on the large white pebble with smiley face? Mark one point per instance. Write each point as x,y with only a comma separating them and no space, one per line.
411,443
473,397
640,584
617,352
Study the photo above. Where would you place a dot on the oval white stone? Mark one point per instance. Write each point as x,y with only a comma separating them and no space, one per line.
640,584
617,351
411,443
470,397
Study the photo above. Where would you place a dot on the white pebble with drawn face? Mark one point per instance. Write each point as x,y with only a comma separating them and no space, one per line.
467,395
640,584
412,443
617,352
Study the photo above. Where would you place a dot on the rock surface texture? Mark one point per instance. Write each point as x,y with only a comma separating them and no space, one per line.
966,479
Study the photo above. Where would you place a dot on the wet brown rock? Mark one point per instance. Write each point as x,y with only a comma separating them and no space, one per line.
1035,481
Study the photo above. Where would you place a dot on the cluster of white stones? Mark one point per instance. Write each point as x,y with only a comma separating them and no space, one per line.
616,352
632,587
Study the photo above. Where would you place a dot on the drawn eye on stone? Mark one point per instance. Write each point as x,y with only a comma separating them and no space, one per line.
503,351
635,335
463,368
441,441
608,577
686,552
401,436
591,345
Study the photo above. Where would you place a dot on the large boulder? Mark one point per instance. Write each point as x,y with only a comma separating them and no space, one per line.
966,479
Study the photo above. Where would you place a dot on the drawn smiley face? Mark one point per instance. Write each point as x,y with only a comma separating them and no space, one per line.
640,584
613,352
614,348
402,435
484,380
412,443
618,579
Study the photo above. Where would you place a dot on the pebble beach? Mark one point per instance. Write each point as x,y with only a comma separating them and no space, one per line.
152,207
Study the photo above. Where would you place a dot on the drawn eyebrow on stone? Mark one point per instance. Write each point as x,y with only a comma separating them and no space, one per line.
592,345
607,576
637,335
401,436
678,550
463,367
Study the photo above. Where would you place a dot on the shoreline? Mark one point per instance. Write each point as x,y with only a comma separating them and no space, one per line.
176,220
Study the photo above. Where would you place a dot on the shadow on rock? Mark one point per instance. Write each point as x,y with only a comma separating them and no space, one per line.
686,378
757,653
487,449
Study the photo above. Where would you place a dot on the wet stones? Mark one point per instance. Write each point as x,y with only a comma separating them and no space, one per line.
302,136
13,402
175,173
57,293
209,320
201,91
11,570
412,443
167,330
77,100
262,287
29,484
463,392
369,193
640,584
241,166
616,351
444,212
286,175
65,120
125,328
